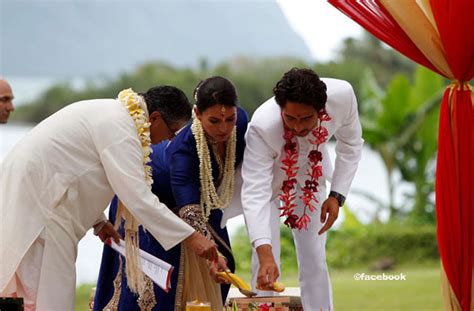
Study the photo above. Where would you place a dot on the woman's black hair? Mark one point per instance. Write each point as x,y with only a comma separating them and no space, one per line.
215,90
301,86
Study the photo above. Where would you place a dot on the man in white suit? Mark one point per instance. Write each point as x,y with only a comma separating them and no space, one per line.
58,180
285,169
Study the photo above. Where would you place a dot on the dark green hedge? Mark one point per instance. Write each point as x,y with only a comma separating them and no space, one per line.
403,244
355,247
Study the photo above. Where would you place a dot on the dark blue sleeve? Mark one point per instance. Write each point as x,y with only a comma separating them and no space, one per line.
184,170
161,186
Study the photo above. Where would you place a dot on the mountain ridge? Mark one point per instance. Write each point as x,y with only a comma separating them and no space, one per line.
90,37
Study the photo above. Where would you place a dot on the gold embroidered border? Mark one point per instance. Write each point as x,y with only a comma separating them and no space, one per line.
193,215
178,301
114,301
147,300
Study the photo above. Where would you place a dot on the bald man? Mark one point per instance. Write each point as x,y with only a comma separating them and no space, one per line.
6,100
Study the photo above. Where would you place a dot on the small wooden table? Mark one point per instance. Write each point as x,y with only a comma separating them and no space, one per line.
276,303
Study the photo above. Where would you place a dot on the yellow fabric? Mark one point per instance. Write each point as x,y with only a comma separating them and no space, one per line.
455,84
450,301
412,19
426,8
472,102
198,284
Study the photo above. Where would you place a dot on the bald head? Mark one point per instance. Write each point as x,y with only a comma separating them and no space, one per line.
6,100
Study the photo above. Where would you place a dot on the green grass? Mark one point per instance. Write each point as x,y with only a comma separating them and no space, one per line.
421,291
83,294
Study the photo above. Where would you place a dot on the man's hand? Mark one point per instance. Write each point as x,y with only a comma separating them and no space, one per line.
331,207
202,246
268,270
220,266
106,231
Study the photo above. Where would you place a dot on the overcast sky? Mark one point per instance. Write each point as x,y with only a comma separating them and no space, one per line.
322,26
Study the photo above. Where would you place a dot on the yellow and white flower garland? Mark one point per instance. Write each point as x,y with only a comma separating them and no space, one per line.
209,196
137,109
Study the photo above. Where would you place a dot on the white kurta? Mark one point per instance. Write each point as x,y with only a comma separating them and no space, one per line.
57,182
263,177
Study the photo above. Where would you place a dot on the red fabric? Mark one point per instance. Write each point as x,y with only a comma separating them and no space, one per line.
375,18
455,193
454,21
455,166
455,202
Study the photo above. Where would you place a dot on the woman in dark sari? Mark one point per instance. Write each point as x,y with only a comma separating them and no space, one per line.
194,175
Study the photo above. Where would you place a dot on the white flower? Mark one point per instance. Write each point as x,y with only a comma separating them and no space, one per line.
210,199
132,102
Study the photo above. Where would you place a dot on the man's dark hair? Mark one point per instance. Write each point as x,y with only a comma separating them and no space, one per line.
301,86
170,102
215,91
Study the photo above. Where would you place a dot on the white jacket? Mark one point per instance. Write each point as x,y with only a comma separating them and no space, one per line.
75,161
261,169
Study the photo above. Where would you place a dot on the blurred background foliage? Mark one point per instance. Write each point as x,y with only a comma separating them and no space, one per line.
253,77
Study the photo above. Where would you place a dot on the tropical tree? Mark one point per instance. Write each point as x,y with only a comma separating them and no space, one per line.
400,124
356,55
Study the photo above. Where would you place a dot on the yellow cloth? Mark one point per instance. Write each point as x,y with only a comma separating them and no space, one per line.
198,284
415,18
450,300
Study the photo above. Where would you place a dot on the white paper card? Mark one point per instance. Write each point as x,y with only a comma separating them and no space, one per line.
157,270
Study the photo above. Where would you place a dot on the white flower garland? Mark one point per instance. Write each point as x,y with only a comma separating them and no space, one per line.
134,103
209,196
137,109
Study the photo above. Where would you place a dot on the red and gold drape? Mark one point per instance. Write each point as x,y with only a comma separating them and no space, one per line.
439,35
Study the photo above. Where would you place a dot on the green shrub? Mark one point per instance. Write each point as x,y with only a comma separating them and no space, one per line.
354,246
403,244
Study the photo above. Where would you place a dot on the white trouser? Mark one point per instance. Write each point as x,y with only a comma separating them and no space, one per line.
24,283
316,292
46,275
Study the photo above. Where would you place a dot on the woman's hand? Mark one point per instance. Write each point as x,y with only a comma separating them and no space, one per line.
202,246
220,266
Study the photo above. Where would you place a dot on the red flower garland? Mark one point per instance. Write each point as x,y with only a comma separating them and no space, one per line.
310,188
